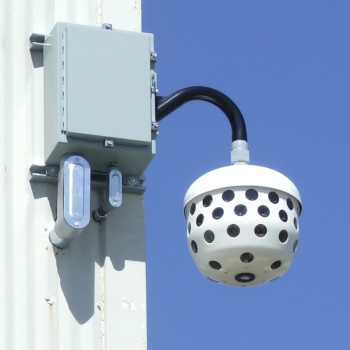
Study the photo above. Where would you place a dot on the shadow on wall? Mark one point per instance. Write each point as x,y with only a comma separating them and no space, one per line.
37,59
120,237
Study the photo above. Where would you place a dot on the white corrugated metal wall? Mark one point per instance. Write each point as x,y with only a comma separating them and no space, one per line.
93,294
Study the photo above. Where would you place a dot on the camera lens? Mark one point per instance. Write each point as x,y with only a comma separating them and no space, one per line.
233,230
194,246
295,246
200,219
296,223
283,215
260,230
251,194
228,195
207,200
247,257
215,265
218,213
264,211
283,236
273,197
193,208
276,264
240,210
245,277
209,236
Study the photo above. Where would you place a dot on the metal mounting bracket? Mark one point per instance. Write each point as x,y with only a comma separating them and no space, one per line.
49,174
37,42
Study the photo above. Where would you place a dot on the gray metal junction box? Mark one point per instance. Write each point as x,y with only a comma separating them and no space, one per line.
100,96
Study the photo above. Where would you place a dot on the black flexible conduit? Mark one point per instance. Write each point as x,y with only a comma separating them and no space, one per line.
168,104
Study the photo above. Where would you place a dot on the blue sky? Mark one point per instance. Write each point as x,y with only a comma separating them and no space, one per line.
286,64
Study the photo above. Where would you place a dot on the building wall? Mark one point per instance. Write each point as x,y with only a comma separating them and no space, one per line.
93,294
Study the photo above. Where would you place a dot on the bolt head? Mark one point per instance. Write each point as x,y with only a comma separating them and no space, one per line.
52,170
107,26
131,180
109,143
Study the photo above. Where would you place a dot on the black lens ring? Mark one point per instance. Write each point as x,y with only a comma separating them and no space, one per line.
240,277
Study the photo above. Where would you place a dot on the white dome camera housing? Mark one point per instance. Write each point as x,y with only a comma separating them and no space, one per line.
242,220
242,224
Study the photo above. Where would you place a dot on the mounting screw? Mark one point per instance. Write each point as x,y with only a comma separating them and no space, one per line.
107,26
131,180
109,143
154,56
154,128
52,170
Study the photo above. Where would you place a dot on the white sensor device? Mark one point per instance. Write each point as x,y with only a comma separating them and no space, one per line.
242,224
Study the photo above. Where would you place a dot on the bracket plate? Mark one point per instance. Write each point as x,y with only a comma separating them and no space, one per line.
37,42
49,174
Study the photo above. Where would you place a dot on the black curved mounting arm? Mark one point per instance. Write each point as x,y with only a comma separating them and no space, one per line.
166,105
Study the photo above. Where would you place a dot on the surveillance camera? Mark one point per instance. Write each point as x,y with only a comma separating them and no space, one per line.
242,224
242,220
